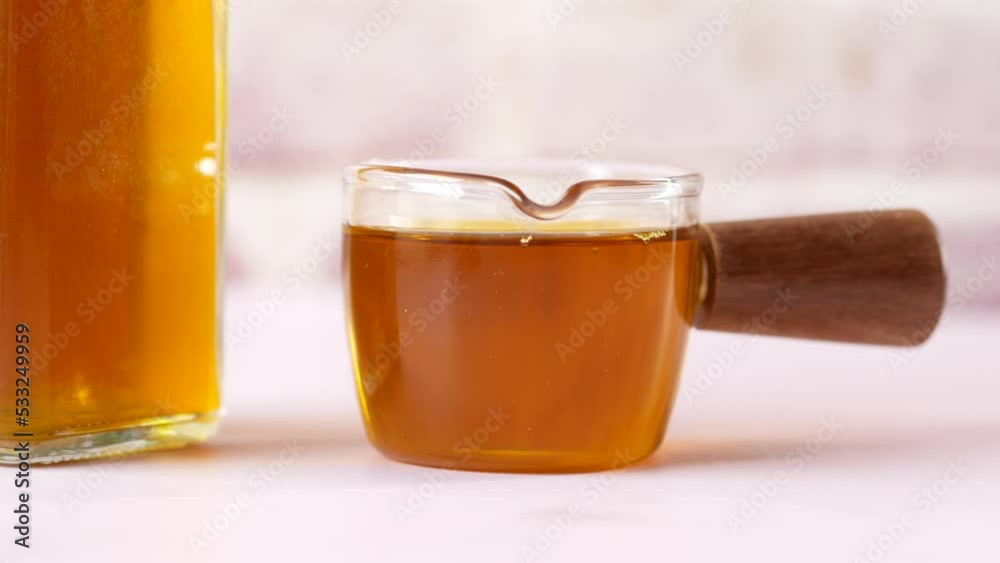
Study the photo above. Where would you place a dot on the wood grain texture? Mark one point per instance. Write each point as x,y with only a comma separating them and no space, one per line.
866,277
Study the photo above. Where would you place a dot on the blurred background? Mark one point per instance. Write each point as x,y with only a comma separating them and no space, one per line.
787,107
856,94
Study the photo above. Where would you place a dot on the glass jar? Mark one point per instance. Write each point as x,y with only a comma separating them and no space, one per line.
111,147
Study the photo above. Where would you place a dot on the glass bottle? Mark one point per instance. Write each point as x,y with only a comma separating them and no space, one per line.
111,152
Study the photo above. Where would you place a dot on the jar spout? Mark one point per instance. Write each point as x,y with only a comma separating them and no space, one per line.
525,204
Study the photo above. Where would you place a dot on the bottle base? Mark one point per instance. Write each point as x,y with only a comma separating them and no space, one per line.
159,433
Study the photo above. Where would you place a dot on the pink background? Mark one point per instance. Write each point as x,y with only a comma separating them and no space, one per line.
291,379
612,60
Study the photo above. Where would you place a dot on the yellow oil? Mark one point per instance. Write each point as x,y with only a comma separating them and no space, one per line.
508,352
109,188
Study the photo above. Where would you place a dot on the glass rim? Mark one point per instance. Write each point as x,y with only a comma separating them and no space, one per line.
538,191
620,176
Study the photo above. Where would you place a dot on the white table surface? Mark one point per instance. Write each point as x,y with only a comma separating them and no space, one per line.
337,500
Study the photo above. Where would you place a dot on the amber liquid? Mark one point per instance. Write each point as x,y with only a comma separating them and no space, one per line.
108,213
500,352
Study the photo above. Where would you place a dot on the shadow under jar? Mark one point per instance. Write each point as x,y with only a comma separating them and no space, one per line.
110,156
501,321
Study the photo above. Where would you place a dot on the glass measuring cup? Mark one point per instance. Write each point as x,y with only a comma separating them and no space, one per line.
533,317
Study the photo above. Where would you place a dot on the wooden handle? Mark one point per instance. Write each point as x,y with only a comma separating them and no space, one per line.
873,278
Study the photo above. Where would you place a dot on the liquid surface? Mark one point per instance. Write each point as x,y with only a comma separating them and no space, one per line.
516,352
108,224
